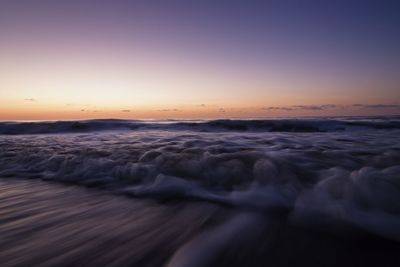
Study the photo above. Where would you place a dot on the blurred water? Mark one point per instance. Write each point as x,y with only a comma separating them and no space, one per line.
45,224
217,193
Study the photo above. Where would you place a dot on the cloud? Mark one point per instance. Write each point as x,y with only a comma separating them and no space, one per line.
331,106
315,107
30,99
221,110
302,107
278,108
308,107
168,110
126,110
376,106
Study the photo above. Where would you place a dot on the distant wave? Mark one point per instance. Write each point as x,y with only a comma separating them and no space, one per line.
45,127
349,175
226,125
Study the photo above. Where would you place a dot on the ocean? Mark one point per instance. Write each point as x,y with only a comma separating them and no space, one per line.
250,192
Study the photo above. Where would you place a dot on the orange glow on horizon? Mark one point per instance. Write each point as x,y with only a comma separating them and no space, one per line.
77,86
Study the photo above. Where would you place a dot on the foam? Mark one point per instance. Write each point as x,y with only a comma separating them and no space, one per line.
346,175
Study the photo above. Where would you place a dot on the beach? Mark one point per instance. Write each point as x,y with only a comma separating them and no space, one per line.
46,224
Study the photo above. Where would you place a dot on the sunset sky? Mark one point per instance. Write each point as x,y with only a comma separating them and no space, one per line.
78,59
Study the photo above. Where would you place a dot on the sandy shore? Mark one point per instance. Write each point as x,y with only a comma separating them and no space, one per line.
47,224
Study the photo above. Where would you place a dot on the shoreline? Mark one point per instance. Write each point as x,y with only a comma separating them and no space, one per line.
49,224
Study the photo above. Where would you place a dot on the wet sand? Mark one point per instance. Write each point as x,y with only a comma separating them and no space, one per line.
49,224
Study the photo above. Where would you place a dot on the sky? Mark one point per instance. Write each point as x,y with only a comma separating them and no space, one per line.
144,59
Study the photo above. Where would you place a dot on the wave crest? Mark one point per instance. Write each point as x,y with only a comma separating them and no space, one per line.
271,125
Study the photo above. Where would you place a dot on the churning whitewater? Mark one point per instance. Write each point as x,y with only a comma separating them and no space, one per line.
314,169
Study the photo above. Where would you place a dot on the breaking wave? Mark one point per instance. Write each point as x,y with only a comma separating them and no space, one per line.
308,168
270,125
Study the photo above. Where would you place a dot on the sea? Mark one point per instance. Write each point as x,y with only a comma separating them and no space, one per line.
251,192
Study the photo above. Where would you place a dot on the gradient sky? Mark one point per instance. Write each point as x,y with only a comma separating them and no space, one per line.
198,59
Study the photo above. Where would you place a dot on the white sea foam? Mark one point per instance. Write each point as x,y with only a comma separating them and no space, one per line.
351,175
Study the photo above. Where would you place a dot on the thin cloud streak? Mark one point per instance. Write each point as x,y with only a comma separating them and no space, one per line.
303,107
168,110
376,105
330,106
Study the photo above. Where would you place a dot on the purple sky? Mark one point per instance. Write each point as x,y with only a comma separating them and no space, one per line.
245,57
